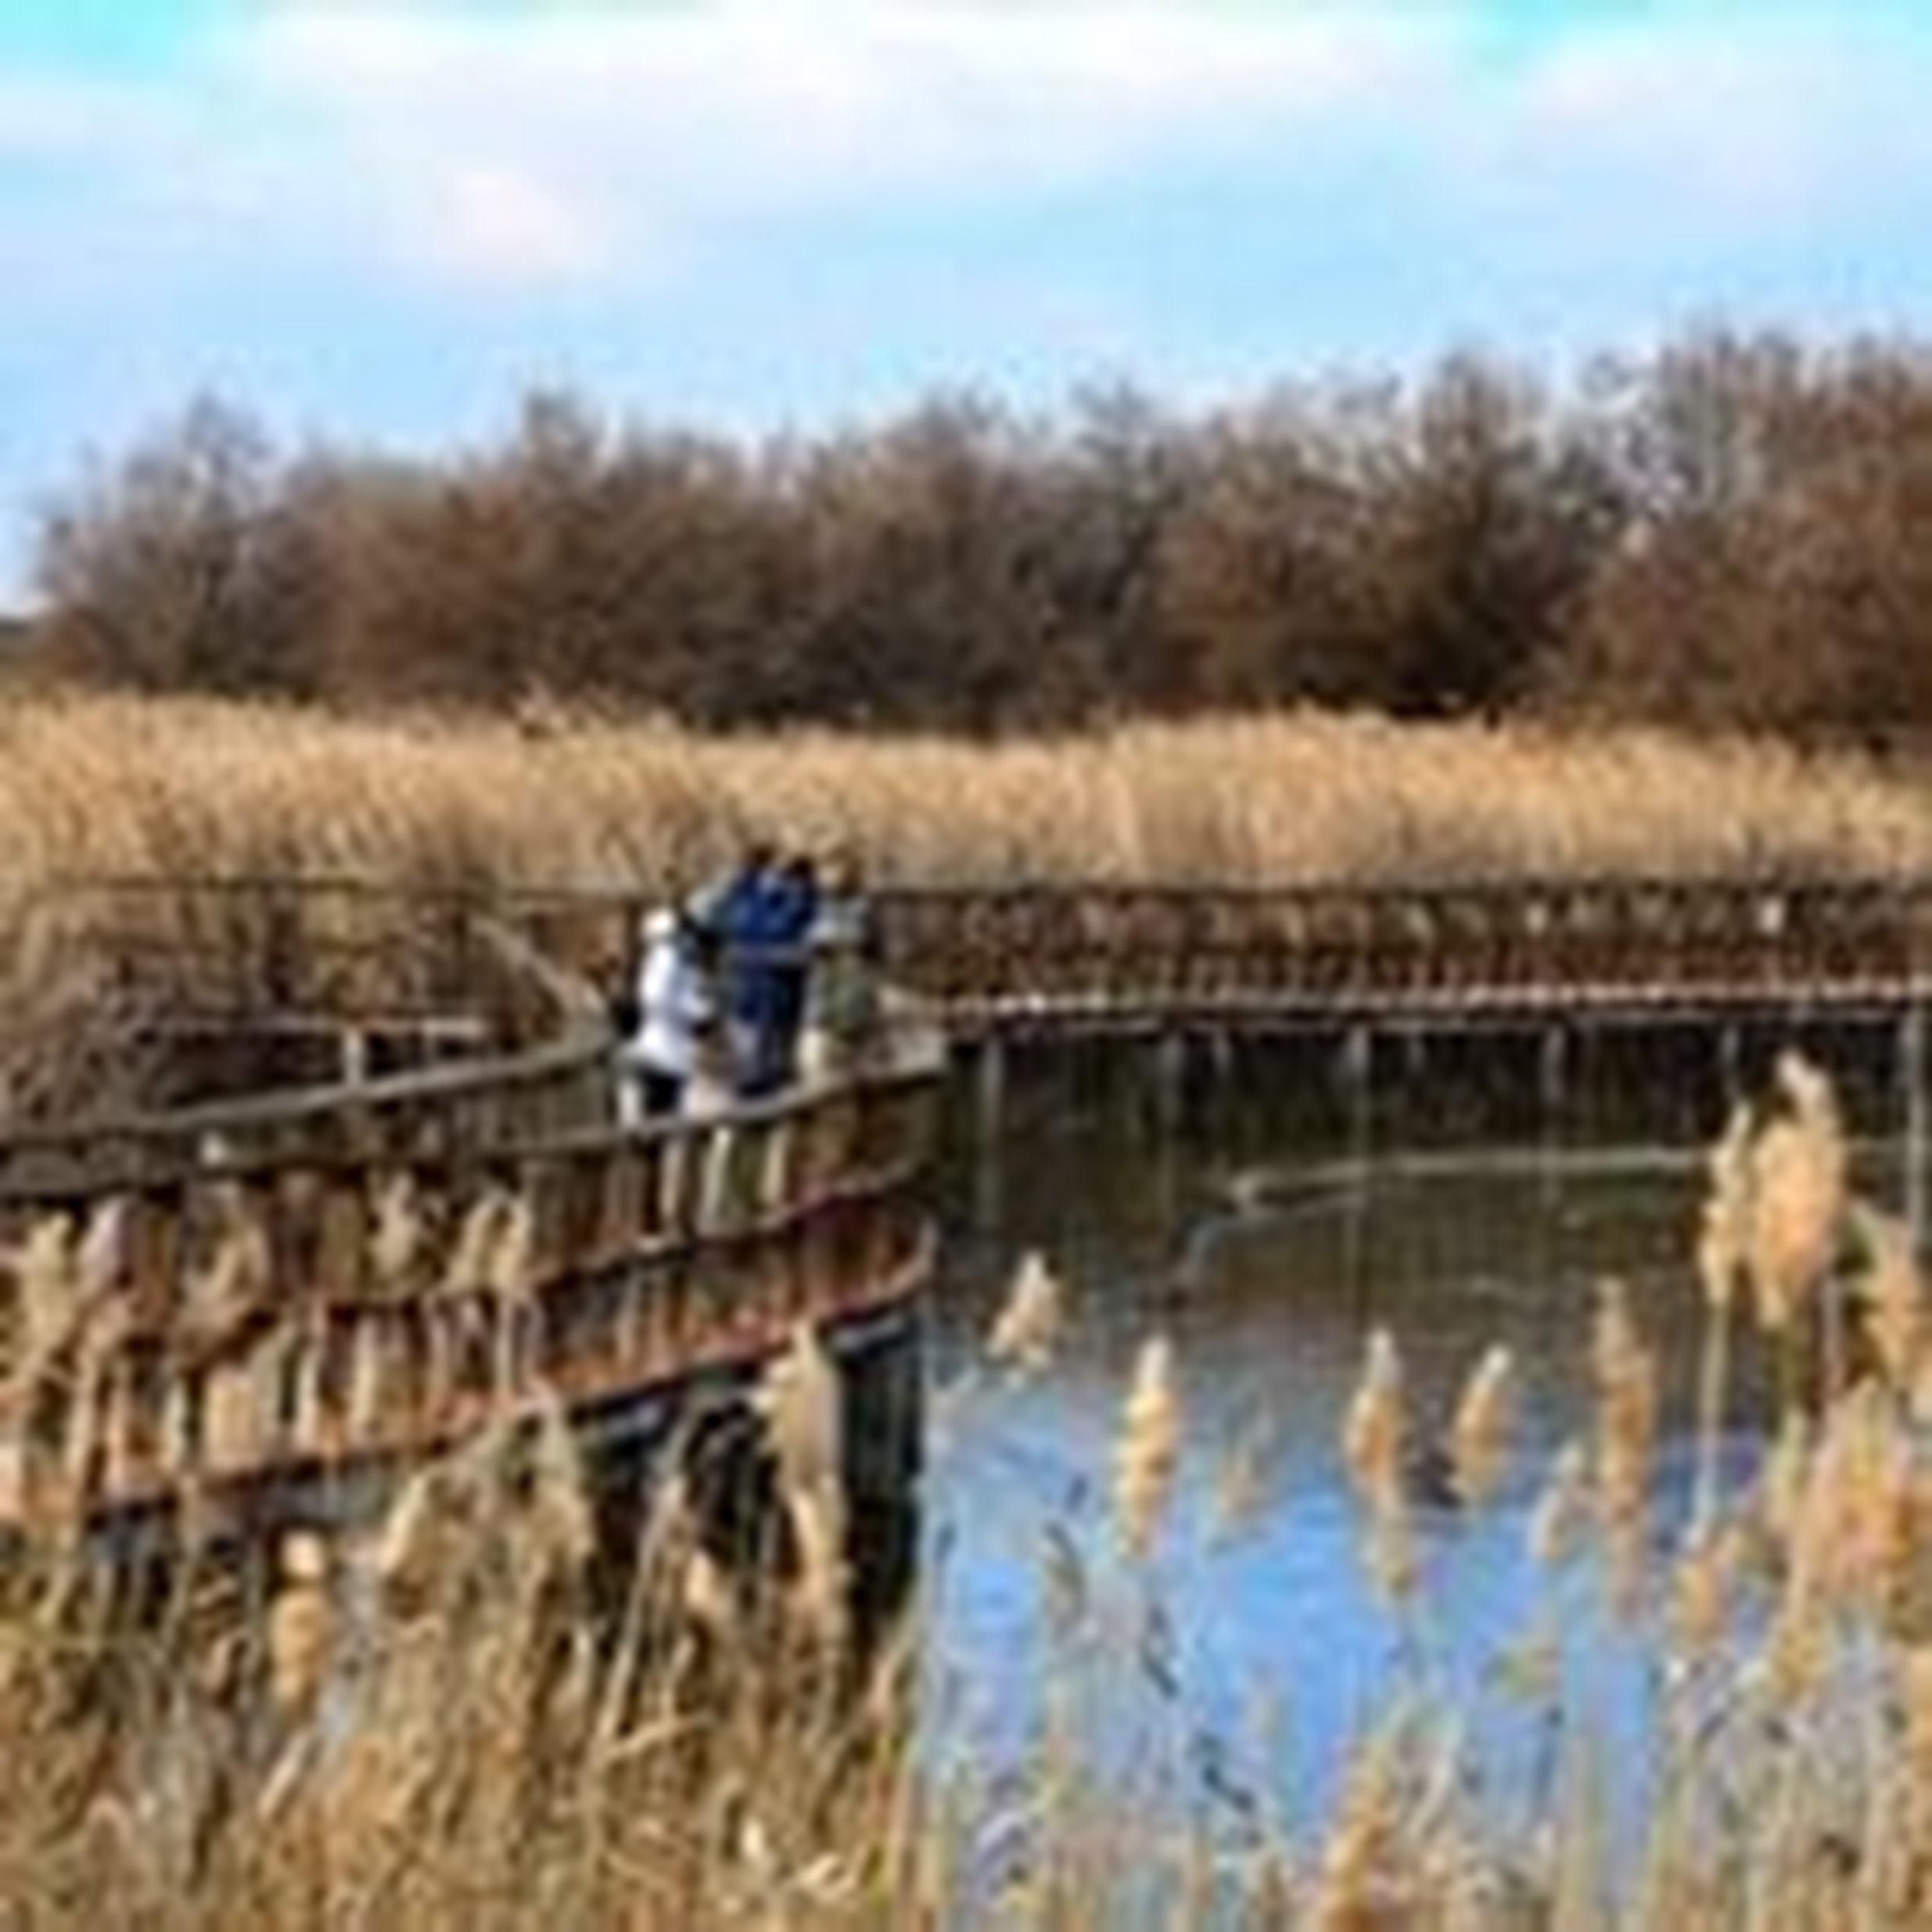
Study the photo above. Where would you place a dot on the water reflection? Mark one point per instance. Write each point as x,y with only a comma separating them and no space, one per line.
1253,1645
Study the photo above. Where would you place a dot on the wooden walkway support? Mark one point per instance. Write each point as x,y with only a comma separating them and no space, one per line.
215,1302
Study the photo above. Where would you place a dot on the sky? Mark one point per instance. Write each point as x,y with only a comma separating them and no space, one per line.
382,221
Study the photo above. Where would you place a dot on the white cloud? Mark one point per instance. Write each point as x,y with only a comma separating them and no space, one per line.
572,147
646,127
496,224
1748,126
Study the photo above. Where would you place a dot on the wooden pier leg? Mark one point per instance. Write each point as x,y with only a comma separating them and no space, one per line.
990,1091
1552,1070
988,1129
1221,1077
1415,1065
1357,1069
1552,1085
1552,1081
1912,1075
1170,1079
1170,1082
1731,1064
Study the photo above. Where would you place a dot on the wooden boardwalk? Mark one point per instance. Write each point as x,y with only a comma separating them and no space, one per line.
212,1295
219,1298
1117,958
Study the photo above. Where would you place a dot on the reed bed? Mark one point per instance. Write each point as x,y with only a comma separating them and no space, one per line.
445,1725
97,784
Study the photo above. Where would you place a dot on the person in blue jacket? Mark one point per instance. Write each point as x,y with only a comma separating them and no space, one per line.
742,914
792,911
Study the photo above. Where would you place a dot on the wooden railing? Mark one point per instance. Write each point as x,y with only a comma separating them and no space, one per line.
1018,958
977,956
243,945
560,1084
283,1311
209,1299
981,958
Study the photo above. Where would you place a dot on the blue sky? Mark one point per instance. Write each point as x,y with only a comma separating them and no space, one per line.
381,220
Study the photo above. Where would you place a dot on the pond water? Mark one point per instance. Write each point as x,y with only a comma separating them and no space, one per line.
1232,1669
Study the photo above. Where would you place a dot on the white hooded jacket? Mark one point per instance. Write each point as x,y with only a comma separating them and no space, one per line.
672,1001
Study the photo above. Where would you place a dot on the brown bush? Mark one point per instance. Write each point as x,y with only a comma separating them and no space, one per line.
1731,531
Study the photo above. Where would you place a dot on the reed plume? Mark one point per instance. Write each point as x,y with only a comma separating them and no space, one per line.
1479,1433
1893,1296
557,1487
1725,1232
1148,1446
1563,1512
235,1280
1625,1376
46,1294
1374,1430
1027,1328
1798,1196
802,1411
468,1267
397,1235
300,1629
1724,1245
1374,1435
508,1269
1703,1584
104,1251
1363,1883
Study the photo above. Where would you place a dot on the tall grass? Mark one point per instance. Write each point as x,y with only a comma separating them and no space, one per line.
92,784
436,1729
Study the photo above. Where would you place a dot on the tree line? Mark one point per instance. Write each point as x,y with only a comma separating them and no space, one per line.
1730,531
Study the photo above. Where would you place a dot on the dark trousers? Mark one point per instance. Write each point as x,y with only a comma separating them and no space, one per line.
662,1092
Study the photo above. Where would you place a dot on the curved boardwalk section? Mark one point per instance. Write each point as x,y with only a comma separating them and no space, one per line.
213,1303
211,1299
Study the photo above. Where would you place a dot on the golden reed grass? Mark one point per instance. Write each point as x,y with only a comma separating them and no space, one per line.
435,1728
1027,1329
101,785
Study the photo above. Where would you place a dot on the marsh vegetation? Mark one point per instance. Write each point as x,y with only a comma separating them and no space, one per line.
1701,1699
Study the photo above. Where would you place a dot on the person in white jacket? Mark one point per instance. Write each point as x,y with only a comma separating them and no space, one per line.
674,1003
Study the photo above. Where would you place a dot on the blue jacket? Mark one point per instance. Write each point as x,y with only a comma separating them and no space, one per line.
751,915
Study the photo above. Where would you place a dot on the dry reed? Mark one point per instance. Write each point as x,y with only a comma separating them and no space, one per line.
102,785
441,1733
1147,1447
1479,1434
1031,1319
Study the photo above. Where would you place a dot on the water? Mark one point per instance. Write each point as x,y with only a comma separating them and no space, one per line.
1232,1671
